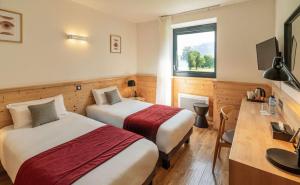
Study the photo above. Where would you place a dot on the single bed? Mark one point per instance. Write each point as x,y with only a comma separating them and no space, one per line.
133,166
170,136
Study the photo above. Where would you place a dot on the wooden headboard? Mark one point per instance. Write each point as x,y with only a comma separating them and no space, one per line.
75,100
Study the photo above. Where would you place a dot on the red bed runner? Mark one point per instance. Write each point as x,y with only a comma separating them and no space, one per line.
147,121
66,163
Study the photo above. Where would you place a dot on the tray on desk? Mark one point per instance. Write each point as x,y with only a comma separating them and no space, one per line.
258,101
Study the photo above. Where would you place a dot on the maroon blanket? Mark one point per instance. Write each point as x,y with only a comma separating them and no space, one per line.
147,121
66,163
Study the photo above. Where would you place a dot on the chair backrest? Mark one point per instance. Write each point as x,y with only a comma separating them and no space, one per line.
226,110
224,116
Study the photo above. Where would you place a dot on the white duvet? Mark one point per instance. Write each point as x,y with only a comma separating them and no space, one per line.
168,135
131,166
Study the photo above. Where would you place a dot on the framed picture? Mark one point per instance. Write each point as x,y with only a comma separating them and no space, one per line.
115,44
10,26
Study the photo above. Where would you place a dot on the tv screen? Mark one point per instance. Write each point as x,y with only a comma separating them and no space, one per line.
266,51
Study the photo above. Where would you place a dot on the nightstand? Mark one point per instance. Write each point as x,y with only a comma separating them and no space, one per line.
138,98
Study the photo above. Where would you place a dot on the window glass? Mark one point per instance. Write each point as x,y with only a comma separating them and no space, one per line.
195,51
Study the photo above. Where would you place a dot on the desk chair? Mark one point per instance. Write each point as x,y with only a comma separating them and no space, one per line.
225,137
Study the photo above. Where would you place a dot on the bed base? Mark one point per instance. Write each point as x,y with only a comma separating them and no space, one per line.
149,179
165,158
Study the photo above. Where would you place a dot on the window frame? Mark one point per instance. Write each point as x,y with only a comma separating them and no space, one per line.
190,30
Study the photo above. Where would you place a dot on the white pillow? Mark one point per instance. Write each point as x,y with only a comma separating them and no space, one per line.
99,95
21,115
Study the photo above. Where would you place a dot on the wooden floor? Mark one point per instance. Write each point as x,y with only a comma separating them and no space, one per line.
191,165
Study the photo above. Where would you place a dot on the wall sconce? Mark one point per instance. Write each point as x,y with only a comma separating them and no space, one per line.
77,37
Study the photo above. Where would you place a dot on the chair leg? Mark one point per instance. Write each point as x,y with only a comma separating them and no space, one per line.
187,141
219,151
166,164
217,148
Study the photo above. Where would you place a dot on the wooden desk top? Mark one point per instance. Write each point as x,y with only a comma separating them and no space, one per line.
253,136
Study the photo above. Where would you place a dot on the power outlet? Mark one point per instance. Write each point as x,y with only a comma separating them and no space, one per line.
280,104
78,87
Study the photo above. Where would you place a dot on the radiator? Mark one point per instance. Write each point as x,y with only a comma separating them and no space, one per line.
187,101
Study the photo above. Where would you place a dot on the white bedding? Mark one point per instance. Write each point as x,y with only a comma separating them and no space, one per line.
168,135
131,166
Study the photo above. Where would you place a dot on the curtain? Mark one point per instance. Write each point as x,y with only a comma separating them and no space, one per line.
164,71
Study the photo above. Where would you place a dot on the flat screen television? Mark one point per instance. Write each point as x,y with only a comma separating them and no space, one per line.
266,51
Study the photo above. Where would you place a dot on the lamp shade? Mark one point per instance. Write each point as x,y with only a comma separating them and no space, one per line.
131,83
278,71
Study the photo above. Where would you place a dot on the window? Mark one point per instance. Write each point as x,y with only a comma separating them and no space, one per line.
194,51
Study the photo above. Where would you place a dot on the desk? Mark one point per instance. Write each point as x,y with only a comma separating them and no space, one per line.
247,162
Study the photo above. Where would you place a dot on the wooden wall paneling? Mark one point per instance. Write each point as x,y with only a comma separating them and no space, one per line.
146,87
75,101
19,95
220,93
232,93
194,86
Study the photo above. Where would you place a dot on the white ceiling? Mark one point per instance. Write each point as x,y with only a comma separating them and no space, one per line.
145,10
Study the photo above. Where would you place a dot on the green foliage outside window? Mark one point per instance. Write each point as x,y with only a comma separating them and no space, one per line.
196,60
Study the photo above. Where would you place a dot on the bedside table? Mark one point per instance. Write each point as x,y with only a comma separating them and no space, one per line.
138,98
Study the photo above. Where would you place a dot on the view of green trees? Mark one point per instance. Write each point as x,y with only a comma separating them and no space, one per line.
196,60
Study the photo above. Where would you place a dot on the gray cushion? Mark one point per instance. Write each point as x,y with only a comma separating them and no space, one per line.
112,97
43,113
228,136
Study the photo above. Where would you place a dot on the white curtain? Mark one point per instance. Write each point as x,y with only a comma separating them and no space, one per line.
164,71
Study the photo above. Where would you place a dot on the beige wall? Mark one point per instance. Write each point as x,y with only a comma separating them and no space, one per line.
284,9
45,56
147,47
240,28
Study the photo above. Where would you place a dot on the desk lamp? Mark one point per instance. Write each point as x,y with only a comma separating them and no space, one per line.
283,159
131,83
278,71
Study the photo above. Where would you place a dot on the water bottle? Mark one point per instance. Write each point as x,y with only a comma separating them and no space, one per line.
272,105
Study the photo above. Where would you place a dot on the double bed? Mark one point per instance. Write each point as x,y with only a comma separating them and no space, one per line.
170,135
134,165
